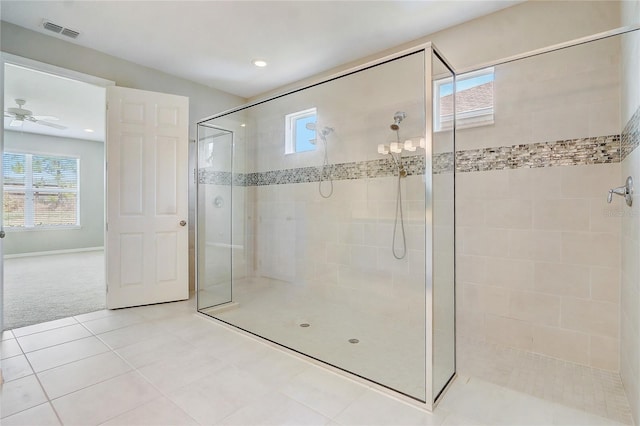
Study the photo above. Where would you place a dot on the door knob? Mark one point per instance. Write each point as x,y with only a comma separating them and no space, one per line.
2,234
183,222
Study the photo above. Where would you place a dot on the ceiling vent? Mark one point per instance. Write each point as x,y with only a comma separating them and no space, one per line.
58,29
70,33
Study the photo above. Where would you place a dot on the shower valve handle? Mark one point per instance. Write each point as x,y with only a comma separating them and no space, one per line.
624,191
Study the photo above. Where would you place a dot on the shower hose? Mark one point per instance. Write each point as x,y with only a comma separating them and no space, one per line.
325,165
399,214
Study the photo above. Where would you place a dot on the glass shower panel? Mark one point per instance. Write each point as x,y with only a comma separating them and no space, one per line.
215,147
326,253
443,167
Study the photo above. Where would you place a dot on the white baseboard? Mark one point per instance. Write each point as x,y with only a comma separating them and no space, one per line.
47,253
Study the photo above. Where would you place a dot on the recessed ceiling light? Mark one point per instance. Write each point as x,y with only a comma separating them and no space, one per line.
259,63
88,130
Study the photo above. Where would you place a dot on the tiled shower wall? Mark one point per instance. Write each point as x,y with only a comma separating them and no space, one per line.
630,285
538,245
341,245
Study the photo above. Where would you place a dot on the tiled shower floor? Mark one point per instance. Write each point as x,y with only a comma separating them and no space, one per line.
589,389
273,309
166,365
390,348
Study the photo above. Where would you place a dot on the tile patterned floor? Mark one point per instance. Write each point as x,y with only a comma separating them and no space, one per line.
589,389
165,365
275,309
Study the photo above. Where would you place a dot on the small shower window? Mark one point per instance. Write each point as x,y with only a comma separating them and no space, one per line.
474,100
299,134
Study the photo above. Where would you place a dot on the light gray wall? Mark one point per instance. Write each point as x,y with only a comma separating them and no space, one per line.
91,233
203,101
514,30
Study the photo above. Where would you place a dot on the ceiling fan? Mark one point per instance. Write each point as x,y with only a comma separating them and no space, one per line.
20,115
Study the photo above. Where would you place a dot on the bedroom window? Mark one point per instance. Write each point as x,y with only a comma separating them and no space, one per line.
40,191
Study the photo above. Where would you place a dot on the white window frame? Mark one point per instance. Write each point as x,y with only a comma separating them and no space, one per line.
474,118
29,194
290,128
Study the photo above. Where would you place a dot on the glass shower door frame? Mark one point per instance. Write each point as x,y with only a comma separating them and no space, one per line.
433,395
430,52
197,215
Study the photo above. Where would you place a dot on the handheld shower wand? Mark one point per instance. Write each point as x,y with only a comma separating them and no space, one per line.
323,133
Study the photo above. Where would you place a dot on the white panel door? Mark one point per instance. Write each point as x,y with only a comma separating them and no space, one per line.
147,169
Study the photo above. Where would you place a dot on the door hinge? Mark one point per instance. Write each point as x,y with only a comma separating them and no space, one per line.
107,226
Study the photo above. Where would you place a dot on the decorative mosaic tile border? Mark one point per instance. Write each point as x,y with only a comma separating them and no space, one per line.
630,138
572,152
414,165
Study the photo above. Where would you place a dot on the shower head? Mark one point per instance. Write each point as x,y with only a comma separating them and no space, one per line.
397,119
324,132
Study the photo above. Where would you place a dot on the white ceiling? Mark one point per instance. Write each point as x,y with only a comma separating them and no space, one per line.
77,105
213,42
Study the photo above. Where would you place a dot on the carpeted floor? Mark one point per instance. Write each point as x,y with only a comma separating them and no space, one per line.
46,288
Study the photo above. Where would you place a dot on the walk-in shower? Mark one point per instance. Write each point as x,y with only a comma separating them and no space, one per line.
296,238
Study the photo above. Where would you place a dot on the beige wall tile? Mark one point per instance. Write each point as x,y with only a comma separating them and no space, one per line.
629,299
486,299
630,266
592,181
629,353
605,284
561,214
471,269
557,122
562,279
470,212
520,183
484,242
509,273
536,308
483,185
470,324
564,344
535,245
338,253
508,213
509,332
604,217
590,316
591,248
604,116
546,182
604,353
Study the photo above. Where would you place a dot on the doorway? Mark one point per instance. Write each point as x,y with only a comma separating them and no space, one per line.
53,171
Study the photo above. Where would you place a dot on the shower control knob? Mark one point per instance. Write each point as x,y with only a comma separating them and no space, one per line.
183,222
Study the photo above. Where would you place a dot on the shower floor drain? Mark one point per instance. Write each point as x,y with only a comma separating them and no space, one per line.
304,325
354,341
